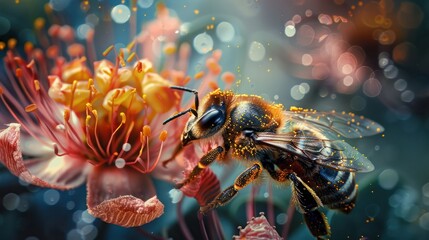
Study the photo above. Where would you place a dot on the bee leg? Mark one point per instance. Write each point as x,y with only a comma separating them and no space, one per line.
246,177
206,160
309,203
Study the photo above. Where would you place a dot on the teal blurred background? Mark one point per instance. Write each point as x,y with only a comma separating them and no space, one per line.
368,57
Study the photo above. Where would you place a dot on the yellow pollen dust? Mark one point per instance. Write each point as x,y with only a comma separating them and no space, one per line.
196,11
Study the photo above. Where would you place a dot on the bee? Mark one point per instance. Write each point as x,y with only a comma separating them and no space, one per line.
300,147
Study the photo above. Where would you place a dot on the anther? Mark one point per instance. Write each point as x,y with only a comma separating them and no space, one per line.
30,108
37,85
66,115
163,135
18,72
123,118
131,45
130,58
108,50
199,75
11,43
146,131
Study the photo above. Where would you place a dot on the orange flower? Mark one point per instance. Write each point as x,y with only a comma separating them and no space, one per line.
100,121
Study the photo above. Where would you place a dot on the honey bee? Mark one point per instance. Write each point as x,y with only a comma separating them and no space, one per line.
300,147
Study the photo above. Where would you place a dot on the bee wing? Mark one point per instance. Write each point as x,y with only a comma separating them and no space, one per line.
347,125
335,154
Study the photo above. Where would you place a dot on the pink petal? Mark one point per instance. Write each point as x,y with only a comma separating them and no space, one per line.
258,228
122,196
57,172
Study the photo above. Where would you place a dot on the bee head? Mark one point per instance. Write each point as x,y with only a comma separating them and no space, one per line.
207,119
211,118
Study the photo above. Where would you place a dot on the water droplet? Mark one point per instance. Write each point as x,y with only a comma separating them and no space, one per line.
120,13
348,81
92,20
424,221
175,195
51,197
82,31
120,163
126,147
281,218
256,51
266,194
11,201
77,216
372,87
203,43
290,30
306,59
225,31
295,93
23,204
407,96
145,3
391,71
86,217
304,88
74,235
70,205
400,84
276,97
89,232
388,179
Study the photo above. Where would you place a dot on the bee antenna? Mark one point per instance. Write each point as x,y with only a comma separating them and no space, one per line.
195,92
193,111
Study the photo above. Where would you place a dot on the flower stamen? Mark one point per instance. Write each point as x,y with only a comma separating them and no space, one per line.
123,121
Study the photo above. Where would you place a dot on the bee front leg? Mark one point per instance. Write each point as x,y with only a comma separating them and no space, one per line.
309,203
246,177
206,160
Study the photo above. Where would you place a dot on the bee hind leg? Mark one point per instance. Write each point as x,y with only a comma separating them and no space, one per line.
309,203
246,177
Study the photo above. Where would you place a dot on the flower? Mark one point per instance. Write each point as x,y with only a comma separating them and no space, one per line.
258,228
99,120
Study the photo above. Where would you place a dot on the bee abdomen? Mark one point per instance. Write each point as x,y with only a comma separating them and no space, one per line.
336,189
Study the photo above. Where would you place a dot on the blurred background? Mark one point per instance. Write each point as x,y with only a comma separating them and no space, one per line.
367,57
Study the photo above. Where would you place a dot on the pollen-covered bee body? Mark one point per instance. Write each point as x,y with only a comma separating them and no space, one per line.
300,147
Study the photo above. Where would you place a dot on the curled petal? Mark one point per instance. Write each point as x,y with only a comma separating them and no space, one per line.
258,228
122,196
58,172
128,211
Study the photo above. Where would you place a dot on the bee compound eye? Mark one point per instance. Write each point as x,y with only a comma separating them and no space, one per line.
213,117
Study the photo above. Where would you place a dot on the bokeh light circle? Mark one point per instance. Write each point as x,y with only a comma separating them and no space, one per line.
120,13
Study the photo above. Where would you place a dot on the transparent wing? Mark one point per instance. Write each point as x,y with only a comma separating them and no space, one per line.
345,124
335,154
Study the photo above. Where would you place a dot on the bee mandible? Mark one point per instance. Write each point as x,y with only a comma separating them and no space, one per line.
301,147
